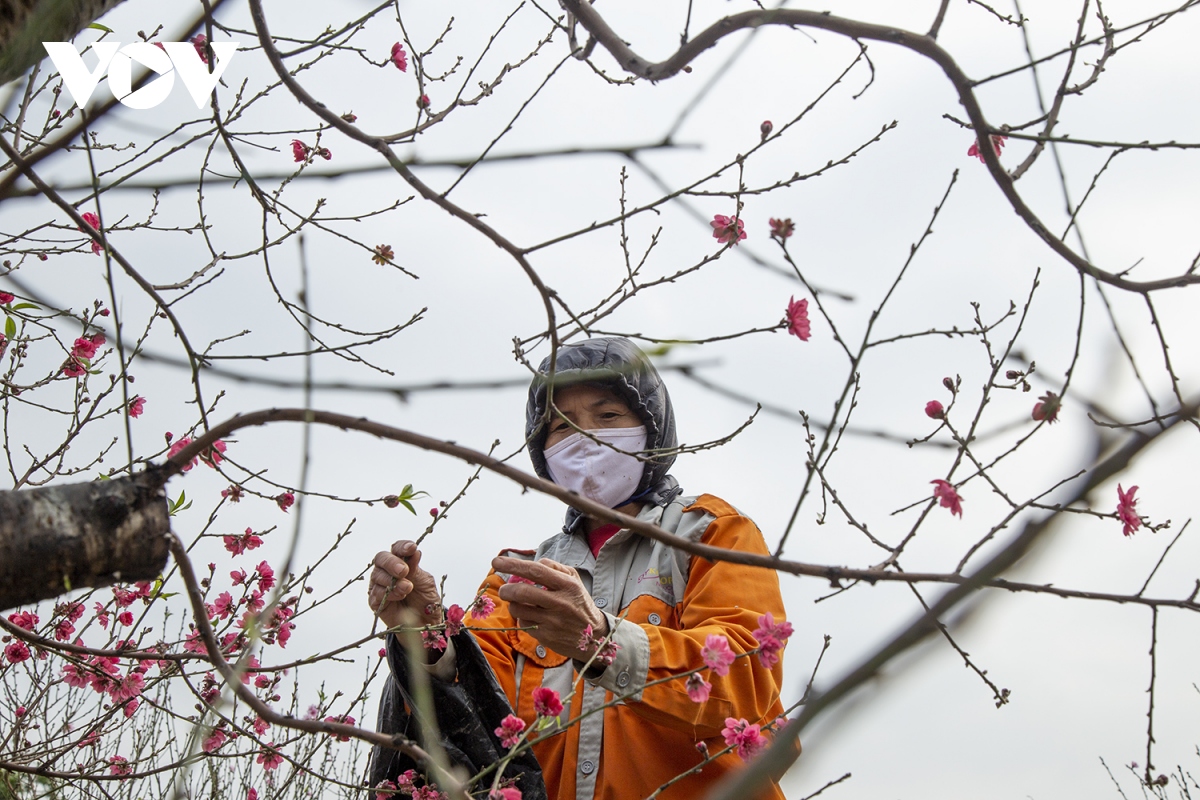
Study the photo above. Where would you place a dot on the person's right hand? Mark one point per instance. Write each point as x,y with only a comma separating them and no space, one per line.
398,585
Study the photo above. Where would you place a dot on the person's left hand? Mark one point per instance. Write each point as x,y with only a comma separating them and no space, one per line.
560,611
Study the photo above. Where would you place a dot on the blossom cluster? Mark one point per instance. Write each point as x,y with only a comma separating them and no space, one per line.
606,649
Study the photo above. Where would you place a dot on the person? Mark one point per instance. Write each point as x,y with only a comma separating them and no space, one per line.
634,726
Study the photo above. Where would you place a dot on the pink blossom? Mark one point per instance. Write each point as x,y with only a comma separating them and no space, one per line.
125,597
997,145
505,793
384,790
546,702
6,298
213,456
423,101
20,712
83,348
73,368
454,619
1047,408
934,410
797,319
17,652
255,602
240,544
782,228
1125,510
119,765
510,730
345,719
25,620
260,726
262,681
433,640
176,448
399,57
199,41
193,643
63,630
266,575
214,740
73,676
234,493
224,605
483,607
771,639
126,689
251,794
697,688
101,615
727,229
716,654
238,576
269,757
285,500
299,150
136,406
125,618
91,740
748,738
944,492
92,222
433,512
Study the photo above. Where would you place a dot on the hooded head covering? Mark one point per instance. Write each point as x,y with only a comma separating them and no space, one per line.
619,365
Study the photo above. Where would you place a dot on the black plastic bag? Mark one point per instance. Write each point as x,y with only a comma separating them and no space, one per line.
468,711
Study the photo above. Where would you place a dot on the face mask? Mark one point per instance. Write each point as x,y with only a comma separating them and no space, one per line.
599,473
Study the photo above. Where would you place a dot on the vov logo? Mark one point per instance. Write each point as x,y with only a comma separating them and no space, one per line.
179,57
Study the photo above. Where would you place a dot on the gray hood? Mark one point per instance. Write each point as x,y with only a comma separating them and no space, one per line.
619,364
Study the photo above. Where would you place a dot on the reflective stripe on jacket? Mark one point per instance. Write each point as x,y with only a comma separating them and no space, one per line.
661,604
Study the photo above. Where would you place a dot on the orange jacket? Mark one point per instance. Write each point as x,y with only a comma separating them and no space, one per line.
661,605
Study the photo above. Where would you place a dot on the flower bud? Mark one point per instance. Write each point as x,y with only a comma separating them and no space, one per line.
765,129
949,384
934,410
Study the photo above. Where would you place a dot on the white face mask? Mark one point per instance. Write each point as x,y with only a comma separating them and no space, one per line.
599,473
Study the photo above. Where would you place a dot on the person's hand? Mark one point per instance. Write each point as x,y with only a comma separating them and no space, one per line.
398,585
560,611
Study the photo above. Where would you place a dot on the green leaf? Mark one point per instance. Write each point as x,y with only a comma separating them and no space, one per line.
177,505
10,327
98,27
23,306
408,505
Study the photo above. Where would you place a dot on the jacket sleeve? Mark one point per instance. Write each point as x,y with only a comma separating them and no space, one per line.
719,598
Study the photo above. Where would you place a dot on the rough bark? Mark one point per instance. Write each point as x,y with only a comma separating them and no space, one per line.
66,537
25,24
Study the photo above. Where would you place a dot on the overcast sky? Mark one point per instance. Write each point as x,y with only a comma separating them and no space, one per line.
928,728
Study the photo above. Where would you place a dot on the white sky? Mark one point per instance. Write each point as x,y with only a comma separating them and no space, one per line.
928,728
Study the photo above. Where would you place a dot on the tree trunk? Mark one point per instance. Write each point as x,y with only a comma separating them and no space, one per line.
83,534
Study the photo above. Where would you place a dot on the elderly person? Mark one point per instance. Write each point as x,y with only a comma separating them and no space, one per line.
631,726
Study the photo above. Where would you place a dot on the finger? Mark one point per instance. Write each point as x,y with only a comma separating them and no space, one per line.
536,571
391,564
404,548
526,595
